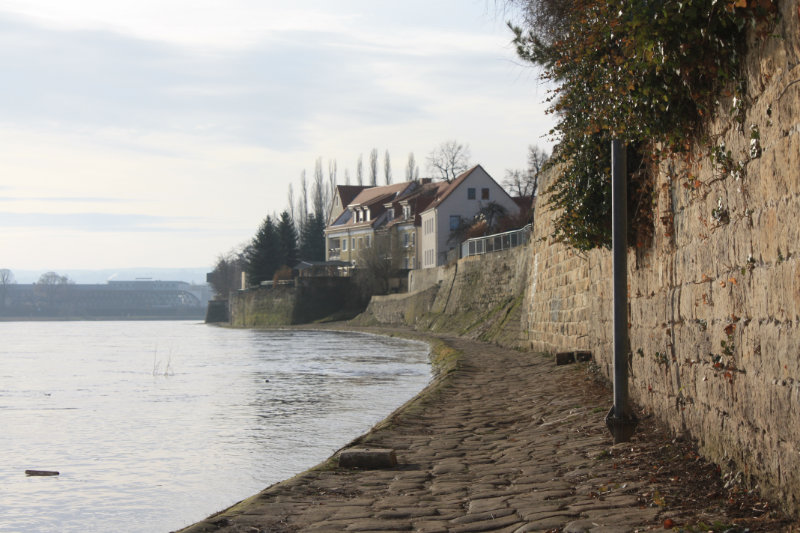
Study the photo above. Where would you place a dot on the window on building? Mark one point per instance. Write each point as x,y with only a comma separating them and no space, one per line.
455,220
413,238
360,243
344,245
405,240
391,213
353,244
471,193
484,193
369,240
406,211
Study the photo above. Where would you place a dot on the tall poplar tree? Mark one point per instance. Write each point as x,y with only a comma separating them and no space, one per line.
387,168
373,167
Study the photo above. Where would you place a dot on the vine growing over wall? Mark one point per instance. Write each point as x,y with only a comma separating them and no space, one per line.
641,71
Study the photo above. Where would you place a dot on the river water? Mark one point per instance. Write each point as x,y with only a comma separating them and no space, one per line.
155,425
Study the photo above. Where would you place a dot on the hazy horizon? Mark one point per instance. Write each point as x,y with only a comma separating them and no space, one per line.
196,275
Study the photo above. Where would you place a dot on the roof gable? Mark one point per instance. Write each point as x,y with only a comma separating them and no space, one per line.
348,192
448,188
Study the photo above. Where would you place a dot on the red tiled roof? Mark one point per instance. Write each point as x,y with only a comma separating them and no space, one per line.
348,192
369,195
372,198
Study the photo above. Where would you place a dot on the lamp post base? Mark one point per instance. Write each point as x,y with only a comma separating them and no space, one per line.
622,429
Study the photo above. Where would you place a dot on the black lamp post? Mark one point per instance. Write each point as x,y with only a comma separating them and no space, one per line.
620,419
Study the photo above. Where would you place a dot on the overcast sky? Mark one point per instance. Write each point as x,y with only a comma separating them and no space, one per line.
151,133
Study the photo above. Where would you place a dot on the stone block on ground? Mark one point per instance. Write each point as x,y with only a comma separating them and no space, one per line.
368,458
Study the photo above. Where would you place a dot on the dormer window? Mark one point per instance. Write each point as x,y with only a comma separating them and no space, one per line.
391,213
406,211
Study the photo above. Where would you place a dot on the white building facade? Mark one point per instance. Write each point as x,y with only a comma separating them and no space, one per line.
461,200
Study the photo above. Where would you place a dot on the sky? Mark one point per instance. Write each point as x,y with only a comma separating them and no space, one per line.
160,133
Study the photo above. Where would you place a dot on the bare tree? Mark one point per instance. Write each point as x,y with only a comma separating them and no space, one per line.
50,288
360,170
449,160
227,274
387,168
6,279
412,170
302,203
524,183
373,167
330,192
318,190
517,182
347,176
290,198
377,265
537,158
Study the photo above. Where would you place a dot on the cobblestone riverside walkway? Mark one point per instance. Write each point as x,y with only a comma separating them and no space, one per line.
508,442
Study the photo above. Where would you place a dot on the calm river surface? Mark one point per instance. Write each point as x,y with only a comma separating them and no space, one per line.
155,425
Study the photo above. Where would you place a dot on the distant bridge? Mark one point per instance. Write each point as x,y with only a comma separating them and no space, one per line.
116,299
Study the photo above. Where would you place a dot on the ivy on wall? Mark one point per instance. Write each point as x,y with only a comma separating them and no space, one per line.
643,71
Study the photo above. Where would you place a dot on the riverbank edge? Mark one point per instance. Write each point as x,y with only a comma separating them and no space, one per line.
444,361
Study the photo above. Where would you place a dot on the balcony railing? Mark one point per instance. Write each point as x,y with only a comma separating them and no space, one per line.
496,242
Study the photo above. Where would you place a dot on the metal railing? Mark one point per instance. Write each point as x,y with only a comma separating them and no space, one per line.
496,242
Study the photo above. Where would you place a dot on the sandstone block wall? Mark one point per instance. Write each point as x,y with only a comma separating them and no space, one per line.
715,299
312,299
479,297
401,309
272,306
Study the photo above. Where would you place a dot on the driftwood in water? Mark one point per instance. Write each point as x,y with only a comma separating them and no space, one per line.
41,473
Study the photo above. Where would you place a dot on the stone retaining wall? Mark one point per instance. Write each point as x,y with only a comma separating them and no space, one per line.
478,297
311,300
715,299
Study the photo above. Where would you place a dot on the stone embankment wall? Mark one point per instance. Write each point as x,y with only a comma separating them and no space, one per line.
477,297
217,312
311,300
715,298
262,306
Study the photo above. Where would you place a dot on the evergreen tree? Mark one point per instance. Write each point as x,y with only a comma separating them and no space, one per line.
287,239
312,239
264,253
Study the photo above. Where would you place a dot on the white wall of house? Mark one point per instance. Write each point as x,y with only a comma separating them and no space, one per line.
459,204
428,241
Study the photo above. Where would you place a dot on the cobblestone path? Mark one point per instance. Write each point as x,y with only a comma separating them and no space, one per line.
509,442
